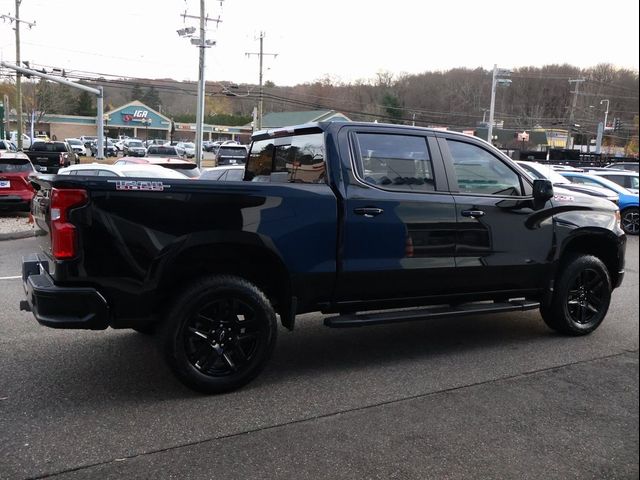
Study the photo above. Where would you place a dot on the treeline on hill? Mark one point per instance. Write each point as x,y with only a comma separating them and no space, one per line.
457,98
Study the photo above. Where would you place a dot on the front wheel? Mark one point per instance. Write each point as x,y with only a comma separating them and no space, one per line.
219,334
581,297
629,221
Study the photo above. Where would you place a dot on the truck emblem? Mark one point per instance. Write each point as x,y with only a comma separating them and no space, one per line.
145,185
564,198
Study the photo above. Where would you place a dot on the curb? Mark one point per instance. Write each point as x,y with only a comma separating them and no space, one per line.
22,234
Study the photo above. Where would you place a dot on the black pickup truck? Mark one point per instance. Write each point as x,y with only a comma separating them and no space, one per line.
356,219
49,157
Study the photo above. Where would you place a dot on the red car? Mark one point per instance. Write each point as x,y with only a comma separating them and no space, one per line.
16,191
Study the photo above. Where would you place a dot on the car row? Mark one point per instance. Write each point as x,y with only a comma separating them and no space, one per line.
627,200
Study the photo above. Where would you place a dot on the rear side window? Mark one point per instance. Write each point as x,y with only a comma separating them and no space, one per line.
295,159
395,162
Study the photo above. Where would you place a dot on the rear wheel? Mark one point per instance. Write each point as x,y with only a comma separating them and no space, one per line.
629,221
581,298
219,334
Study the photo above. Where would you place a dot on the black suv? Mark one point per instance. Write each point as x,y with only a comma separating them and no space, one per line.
231,155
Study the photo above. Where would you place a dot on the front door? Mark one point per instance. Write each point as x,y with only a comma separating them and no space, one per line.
499,246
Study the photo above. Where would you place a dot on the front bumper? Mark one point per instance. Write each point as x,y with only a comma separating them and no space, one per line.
60,307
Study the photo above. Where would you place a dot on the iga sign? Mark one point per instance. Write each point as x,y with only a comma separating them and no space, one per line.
136,116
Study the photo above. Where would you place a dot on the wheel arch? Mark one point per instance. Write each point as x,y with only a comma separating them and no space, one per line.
254,263
600,243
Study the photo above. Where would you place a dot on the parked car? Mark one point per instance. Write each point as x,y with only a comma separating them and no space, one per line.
538,170
77,146
134,148
110,149
210,146
26,139
16,191
631,166
7,146
227,173
185,167
231,155
133,170
165,151
627,201
626,179
87,140
188,147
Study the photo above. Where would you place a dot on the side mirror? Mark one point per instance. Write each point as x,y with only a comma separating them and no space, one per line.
542,190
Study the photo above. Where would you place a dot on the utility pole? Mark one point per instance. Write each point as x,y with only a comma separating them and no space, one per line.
201,42
261,54
577,81
17,21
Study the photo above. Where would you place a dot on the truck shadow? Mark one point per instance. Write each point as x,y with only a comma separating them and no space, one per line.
127,366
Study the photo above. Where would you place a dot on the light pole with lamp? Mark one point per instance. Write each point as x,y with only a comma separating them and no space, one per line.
497,79
147,122
606,112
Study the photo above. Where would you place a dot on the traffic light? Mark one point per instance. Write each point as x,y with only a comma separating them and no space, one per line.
616,124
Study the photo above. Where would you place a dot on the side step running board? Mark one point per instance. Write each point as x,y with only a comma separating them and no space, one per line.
439,311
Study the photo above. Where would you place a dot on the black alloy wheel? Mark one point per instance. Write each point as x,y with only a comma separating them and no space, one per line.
223,336
629,221
581,297
219,334
586,296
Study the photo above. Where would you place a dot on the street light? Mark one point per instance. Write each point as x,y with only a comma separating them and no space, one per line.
146,122
497,80
606,112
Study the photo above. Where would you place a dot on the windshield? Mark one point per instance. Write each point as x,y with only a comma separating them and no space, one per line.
74,142
135,144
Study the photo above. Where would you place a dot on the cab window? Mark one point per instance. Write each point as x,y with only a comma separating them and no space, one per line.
394,162
480,172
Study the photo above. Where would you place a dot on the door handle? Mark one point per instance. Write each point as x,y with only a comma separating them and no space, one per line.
368,212
472,213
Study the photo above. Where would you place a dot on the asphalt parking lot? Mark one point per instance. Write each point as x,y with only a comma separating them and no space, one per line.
480,397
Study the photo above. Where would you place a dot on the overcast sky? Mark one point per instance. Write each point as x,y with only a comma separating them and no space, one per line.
346,40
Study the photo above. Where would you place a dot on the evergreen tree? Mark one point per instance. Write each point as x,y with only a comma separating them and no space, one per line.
151,98
392,107
136,93
84,105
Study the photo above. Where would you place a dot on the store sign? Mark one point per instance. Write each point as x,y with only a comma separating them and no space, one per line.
136,116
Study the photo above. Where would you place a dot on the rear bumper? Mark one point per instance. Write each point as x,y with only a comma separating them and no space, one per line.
61,307
16,201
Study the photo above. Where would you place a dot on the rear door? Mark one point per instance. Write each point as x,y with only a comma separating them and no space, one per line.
399,218
498,248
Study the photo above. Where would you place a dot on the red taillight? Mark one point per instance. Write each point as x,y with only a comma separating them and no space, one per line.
63,233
